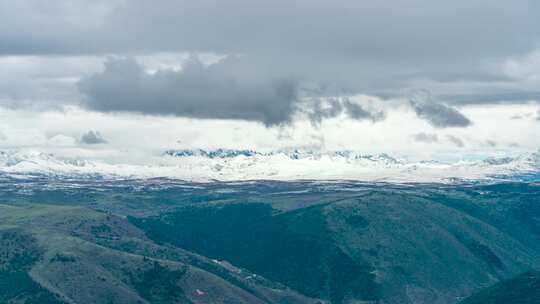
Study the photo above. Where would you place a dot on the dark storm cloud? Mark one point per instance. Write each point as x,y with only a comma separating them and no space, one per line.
92,138
357,112
456,141
211,92
437,114
440,115
196,91
426,138
319,109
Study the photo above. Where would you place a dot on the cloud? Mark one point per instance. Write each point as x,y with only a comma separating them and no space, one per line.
528,116
491,143
456,141
437,114
516,117
357,112
426,138
196,92
92,138
356,46
217,91
273,51
318,109
514,96
63,140
42,82
242,26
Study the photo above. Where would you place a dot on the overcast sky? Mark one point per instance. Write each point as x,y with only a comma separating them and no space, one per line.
420,77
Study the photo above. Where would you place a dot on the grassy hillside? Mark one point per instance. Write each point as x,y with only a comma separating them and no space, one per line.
265,242
523,289
294,248
401,245
18,252
76,255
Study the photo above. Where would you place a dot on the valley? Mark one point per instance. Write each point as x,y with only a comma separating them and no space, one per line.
167,241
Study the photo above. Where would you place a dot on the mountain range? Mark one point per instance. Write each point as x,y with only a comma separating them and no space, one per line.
230,165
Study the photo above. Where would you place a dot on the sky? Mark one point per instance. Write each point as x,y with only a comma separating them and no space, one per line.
111,79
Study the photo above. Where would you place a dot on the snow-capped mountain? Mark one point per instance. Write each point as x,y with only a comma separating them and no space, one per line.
349,156
228,165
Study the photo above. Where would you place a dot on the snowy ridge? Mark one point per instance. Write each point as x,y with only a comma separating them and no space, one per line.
231,165
292,154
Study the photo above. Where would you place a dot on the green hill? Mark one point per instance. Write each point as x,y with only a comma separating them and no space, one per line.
264,242
75,255
523,289
412,245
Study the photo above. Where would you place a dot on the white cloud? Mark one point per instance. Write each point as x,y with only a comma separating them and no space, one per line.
138,138
526,67
61,140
